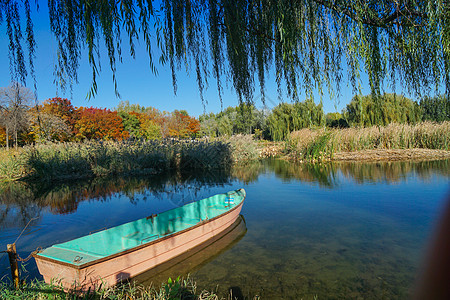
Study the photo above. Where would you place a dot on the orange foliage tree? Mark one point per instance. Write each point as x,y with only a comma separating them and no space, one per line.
96,123
2,135
193,126
181,125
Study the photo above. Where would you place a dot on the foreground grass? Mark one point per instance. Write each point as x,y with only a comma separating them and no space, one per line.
321,144
173,289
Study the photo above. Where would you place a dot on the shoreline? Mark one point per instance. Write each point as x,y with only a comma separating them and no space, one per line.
391,155
368,155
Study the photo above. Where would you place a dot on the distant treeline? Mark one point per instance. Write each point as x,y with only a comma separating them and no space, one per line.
56,119
362,111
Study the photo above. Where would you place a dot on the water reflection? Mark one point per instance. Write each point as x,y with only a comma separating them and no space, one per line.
23,201
332,174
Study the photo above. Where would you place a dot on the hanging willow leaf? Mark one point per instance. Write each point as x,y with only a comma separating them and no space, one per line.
308,43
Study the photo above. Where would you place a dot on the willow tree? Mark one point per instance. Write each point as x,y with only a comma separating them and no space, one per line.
307,44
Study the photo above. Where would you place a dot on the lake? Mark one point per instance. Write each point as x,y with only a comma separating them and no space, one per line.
341,230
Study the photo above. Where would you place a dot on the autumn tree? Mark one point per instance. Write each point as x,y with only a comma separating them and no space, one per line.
2,135
62,108
14,104
192,126
306,44
96,123
47,127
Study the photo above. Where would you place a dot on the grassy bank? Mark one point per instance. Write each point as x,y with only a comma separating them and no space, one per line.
173,289
323,144
89,159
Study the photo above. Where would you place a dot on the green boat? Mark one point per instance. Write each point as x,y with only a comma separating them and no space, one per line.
113,255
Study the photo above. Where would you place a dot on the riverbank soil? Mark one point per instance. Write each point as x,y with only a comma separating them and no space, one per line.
391,154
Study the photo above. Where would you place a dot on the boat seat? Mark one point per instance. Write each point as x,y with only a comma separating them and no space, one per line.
70,255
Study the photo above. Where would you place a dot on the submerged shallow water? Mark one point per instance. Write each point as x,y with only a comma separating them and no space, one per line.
355,230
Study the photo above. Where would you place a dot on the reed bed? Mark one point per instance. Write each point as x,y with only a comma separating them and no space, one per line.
320,144
98,158
244,148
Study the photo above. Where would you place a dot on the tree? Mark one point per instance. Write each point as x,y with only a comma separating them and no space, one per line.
436,108
48,127
382,110
335,120
14,103
286,118
2,135
131,124
305,41
96,123
62,108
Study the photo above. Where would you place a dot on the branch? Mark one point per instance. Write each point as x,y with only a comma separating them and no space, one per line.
371,18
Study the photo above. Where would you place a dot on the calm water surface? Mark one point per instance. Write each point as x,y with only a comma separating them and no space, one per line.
334,231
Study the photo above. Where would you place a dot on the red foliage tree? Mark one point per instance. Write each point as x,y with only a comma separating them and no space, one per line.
96,123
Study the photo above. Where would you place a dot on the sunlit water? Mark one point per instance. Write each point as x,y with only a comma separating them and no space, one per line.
333,231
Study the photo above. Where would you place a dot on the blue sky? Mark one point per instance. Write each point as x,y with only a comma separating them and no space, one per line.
136,83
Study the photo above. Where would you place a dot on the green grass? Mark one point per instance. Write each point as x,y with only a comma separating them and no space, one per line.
173,289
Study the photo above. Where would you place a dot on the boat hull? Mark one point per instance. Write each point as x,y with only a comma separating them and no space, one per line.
121,266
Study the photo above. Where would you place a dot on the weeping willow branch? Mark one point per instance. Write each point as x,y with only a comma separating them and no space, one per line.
308,44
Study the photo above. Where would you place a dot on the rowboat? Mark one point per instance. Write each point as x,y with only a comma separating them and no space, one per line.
108,257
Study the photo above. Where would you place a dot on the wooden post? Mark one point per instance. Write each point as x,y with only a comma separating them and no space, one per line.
11,249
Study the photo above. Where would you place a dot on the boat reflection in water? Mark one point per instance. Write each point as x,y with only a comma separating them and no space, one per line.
194,259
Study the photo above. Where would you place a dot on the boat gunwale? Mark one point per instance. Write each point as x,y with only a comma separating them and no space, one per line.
36,255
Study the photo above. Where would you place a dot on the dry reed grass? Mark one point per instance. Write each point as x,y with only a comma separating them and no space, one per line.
101,158
425,135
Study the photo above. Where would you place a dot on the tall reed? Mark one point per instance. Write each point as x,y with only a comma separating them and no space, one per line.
101,158
429,135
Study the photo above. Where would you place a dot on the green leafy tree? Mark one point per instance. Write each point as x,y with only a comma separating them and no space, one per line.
336,120
382,110
131,124
208,125
286,118
436,108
